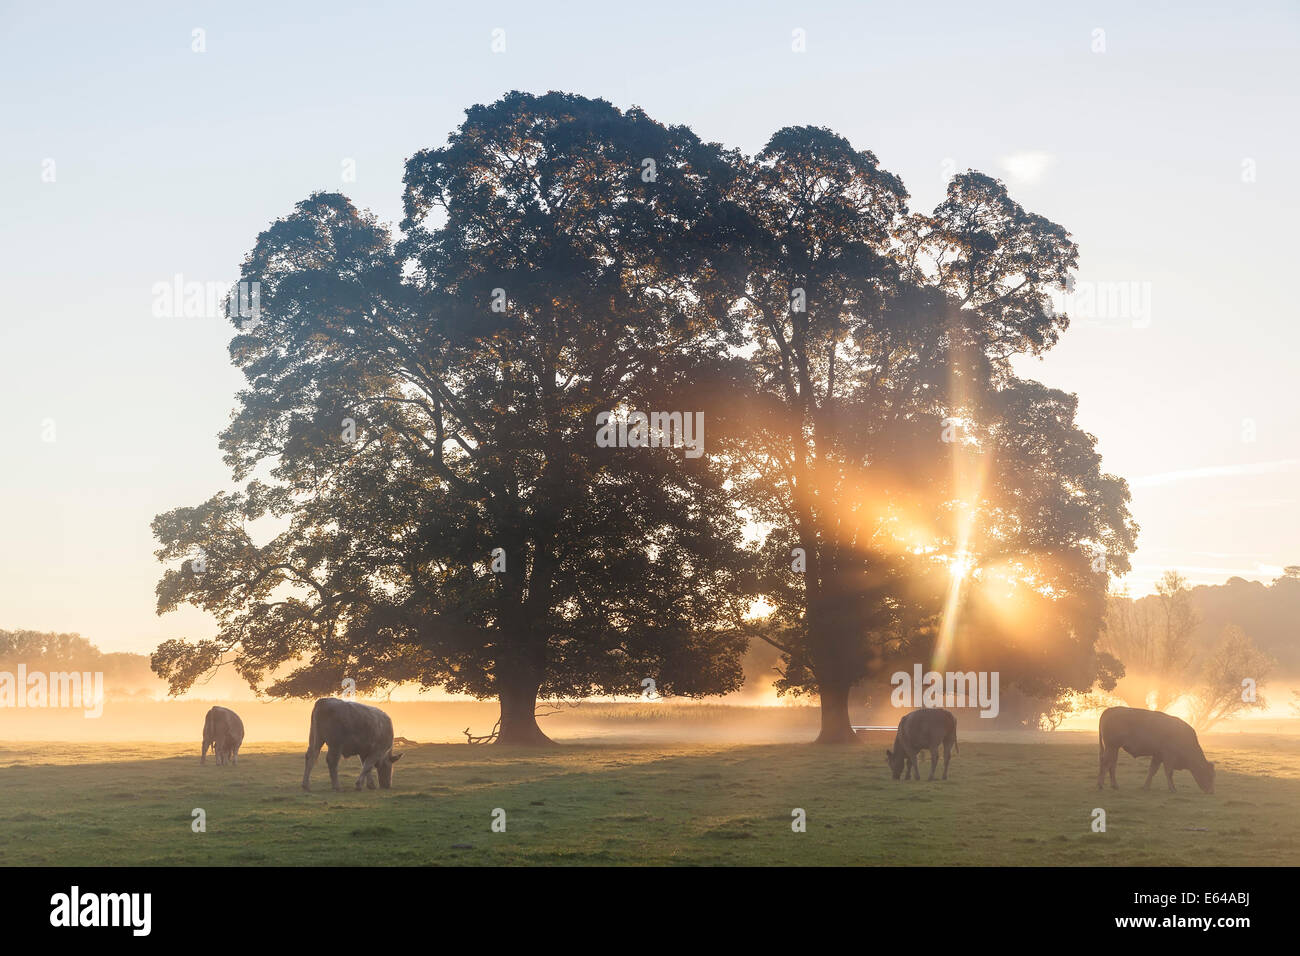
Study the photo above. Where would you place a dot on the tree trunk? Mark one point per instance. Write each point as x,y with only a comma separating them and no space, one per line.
834,670
836,726
519,715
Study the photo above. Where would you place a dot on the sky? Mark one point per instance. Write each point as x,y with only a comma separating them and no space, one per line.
134,150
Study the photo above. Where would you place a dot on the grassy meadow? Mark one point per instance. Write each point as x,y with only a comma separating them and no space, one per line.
1012,799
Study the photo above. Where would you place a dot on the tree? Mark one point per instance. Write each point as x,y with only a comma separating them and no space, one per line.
1175,647
1055,712
894,454
50,648
124,673
467,532
1230,680
560,259
1155,638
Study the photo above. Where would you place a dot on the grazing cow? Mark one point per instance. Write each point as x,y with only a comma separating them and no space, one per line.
350,729
1150,733
223,731
923,729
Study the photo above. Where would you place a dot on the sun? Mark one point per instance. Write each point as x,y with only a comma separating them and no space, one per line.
960,566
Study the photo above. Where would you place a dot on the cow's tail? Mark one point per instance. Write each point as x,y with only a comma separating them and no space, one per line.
208,736
314,744
313,736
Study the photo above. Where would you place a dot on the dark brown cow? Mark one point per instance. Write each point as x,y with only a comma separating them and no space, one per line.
923,729
223,731
1150,733
350,729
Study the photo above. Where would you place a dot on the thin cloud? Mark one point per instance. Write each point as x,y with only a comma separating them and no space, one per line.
1154,571
1027,166
1217,471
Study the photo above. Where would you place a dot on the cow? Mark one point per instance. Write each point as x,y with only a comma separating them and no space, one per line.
1150,733
223,731
923,729
350,729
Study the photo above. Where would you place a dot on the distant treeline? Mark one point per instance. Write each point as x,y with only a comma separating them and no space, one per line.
1209,650
1188,645
125,674
1268,613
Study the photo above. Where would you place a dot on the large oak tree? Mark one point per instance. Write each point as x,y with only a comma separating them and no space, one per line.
906,473
546,272
559,258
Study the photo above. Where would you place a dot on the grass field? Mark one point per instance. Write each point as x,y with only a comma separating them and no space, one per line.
1016,802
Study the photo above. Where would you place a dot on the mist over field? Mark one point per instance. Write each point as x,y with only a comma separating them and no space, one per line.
141,718
138,706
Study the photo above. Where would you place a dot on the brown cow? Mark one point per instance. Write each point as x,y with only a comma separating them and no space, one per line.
223,731
351,729
1150,733
923,729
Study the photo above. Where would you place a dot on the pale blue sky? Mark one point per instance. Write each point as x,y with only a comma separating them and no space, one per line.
168,161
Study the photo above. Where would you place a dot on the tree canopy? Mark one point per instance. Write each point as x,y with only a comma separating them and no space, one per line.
473,536
895,442
417,437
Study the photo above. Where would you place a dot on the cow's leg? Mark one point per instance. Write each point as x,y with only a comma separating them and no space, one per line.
1169,776
367,768
1151,771
934,761
1111,760
206,744
332,757
947,755
313,751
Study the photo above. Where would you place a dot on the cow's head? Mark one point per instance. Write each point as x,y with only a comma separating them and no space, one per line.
896,762
1204,776
385,769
